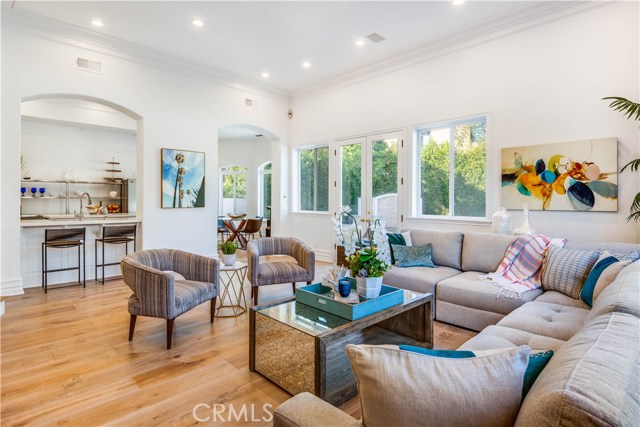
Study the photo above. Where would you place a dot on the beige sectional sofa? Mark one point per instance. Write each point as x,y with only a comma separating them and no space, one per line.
593,377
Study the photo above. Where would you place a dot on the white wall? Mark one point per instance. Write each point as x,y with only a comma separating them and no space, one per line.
249,154
176,109
542,85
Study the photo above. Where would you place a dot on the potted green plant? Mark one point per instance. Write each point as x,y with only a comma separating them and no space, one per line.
632,111
228,250
369,262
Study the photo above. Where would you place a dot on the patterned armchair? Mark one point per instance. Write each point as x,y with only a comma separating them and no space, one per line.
263,273
167,283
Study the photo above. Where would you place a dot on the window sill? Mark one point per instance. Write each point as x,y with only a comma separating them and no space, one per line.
311,213
482,222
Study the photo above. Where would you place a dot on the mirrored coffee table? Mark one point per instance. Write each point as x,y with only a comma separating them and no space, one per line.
301,348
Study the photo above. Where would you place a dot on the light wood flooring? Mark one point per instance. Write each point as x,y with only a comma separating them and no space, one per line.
65,360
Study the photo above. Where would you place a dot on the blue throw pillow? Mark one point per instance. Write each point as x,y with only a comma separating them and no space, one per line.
395,239
413,256
586,294
537,361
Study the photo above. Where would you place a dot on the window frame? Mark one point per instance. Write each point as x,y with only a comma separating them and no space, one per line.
416,167
297,178
223,170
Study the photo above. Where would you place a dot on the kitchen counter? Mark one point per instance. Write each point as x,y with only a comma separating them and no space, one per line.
69,220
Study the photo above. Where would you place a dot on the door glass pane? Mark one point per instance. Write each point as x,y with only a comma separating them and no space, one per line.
470,170
307,180
434,172
351,179
266,192
322,202
385,180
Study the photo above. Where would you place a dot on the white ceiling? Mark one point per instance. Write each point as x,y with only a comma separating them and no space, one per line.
249,38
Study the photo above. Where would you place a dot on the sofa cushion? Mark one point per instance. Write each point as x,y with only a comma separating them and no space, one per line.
413,256
537,361
447,246
403,388
623,295
598,272
496,336
484,251
591,380
555,297
467,289
543,318
565,270
417,279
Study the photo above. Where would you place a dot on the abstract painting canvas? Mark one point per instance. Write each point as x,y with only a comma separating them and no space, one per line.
182,176
568,176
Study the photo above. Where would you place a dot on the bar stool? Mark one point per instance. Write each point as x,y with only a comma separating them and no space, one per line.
62,238
114,235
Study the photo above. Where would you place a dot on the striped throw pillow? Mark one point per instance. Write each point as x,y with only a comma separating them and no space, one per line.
566,270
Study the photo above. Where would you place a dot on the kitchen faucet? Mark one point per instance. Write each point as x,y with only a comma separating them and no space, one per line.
81,214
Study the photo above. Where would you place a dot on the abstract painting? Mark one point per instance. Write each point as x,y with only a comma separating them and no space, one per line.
182,174
568,176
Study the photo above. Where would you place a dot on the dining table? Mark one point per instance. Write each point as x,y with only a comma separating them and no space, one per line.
235,226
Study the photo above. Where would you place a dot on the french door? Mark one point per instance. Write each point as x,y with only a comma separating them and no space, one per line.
368,178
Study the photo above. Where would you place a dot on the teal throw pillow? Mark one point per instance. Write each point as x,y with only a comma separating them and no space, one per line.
413,256
586,294
537,361
395,239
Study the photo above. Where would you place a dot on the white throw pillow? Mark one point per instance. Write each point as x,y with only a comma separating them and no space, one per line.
176,276
407,238
403,388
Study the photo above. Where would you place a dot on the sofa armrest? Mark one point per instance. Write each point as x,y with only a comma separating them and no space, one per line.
305,409
253,262
196,267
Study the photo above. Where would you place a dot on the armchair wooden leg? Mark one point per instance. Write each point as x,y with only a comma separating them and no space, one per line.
293,287
308,282
254,292
213,308
169,332
132,325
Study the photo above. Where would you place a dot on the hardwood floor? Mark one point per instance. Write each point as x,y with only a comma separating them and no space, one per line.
65,360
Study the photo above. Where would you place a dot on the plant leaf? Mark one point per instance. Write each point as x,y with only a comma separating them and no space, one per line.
629,108
635,209
634,165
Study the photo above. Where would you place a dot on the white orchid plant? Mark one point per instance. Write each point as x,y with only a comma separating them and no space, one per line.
364,261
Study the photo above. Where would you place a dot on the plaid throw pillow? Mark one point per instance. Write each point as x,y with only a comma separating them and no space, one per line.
566,270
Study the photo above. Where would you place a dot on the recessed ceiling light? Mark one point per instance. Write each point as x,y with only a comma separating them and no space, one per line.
197,22
457,2
359,42
265,75
97,23
306,64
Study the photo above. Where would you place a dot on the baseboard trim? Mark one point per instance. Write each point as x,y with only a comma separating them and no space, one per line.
11,287
324,255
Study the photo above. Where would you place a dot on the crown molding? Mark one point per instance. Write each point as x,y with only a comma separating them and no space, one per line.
111,46
534,16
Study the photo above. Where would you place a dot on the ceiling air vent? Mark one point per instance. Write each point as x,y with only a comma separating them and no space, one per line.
88,65
376,38
251,103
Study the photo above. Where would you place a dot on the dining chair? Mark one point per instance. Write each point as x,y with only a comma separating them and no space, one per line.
251,227
222,229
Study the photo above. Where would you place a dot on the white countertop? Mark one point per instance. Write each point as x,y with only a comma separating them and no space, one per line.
64,220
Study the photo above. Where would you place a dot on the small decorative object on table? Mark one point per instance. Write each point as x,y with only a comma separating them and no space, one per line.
42,190
501,221
525,228
344,287
113,194
228,250
33,191
366,263
23,190
236,215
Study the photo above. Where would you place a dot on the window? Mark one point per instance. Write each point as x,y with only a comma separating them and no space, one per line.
264,190
452,176
313,168
234,190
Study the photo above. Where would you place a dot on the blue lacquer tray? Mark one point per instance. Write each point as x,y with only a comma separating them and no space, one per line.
321,297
